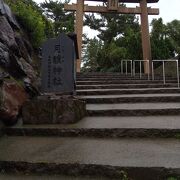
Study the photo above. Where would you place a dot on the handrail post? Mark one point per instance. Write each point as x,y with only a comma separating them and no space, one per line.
164,78
152,70
126,68
131,68
140,70
121,66
134,68
177,63
148,68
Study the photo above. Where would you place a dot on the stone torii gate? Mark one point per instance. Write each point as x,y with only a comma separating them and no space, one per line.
113,7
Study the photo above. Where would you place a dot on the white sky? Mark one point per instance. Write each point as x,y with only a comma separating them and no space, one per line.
169,10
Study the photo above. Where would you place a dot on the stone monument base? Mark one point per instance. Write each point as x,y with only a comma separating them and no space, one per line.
53,110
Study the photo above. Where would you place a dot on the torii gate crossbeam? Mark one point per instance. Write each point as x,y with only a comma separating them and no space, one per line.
113,7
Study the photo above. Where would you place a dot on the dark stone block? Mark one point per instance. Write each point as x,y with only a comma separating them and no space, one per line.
57,110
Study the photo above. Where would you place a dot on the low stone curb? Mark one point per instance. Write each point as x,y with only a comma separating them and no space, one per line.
95,132
134,112
136,173
124,82
125,86
134,91
115,100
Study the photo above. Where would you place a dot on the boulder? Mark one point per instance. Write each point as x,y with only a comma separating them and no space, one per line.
31,88
22,46
12,97
4,56
10,16
6,33
58,110
17,70
6,11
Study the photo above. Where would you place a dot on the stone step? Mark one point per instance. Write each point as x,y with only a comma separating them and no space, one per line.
132,158
124,82
127,91
125,86
106,127
120,78
135,109
134,98
106,74
118,74
18,176
113,78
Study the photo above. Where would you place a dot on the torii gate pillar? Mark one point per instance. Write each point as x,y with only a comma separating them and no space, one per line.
79,30
146,44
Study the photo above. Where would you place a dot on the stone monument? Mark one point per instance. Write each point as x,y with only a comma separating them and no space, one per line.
58,65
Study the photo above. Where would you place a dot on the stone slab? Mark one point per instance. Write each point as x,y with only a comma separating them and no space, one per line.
106,127
123,82
134,106
124,86
126,91
129,95
148,122
114,152
131,98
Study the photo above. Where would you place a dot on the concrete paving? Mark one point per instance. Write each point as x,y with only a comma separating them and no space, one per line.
135,106
148,122
114,152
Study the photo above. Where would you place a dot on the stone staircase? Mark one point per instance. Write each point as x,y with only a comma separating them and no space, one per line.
132,131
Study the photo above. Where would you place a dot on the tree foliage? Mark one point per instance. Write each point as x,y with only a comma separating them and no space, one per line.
162,46
173,32
91,54
62,20
120,37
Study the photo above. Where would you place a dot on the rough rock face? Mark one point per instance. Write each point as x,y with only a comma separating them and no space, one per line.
16,60
12,97
59,110
14,55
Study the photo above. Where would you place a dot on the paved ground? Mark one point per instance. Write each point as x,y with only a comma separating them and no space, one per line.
133,106
157,122
116,152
